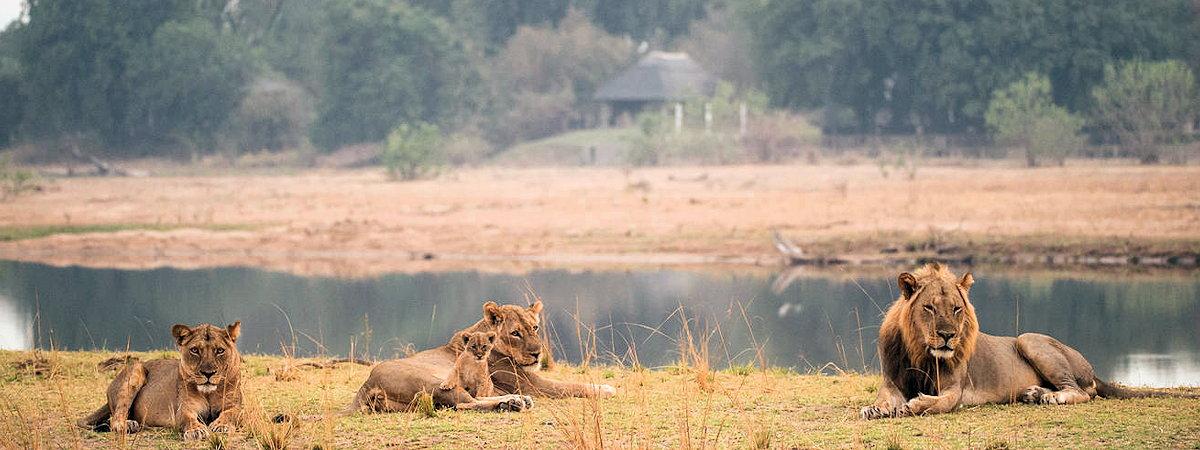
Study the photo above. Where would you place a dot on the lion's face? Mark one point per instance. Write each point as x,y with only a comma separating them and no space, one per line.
939,312
479,344
209,356
516,331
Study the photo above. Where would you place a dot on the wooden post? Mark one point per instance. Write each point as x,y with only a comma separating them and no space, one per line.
678,117
742,113
707,117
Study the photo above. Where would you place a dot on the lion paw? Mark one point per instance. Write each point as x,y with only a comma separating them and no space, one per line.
605,391
873,412
1035,395
196,434
222,428
515,403
125,426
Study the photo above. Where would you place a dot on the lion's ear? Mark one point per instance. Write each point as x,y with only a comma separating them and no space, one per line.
491,313
536,307
180,331
466,338
967,281
234,330
908,285
491,336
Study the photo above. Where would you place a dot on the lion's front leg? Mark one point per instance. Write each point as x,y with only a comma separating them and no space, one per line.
121,393
189,418
935,404
227,421
889,402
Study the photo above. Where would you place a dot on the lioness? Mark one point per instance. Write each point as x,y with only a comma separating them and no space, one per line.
201,388
471,368
935,358
513,363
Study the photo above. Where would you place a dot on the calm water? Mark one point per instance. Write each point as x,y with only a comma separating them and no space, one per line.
1139,331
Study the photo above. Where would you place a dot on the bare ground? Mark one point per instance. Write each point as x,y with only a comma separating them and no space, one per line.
355,222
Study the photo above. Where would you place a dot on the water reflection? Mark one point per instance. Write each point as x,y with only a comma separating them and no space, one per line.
1137,331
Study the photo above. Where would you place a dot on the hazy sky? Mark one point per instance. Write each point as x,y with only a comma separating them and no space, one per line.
9,10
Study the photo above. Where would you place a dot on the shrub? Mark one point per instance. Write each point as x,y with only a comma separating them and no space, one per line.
1146,104
466,148
1024,115
275,115
777,136
412,151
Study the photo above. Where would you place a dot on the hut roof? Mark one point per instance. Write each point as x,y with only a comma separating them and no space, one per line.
659,76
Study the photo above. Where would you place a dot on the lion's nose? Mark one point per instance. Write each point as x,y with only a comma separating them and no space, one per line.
535,355
945,334
208,373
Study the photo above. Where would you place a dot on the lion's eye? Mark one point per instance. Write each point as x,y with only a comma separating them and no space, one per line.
535,328
196,351
516,333
957,310
220,351
929,309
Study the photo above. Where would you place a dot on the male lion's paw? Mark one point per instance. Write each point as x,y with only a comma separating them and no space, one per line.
528,401
1034,395
125,426
873,412
222,427
196,434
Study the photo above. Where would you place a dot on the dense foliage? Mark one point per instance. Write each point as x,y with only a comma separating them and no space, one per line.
934,64
182,77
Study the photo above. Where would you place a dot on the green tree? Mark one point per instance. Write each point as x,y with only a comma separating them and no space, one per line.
388,62
545,77
184,85
12,99
1146,104
412,151
1024,115
934,64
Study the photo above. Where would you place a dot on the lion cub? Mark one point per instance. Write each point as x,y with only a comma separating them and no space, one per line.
471,367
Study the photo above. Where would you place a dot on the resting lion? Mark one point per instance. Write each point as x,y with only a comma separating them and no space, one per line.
936,359
514,363
198,393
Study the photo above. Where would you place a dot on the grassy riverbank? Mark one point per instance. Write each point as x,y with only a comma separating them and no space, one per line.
42,395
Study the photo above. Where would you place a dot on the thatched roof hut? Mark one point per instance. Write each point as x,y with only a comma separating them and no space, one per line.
656,79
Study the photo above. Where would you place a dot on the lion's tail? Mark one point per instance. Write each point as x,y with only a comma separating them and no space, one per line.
1116,390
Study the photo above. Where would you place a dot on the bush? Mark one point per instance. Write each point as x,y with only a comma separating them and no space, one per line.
275,115
544,77
1024,115
1146,104
466,148
778,136
412,151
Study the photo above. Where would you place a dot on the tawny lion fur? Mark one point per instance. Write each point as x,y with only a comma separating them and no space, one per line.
198,393
935,359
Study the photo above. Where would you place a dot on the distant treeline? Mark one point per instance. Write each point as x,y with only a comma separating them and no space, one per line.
187,77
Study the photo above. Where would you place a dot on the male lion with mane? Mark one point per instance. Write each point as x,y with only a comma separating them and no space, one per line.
513,363
196,394
936,359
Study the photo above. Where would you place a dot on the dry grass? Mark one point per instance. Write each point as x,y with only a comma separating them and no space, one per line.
653,408
356,223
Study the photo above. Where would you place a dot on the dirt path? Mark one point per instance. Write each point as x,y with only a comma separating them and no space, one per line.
357,223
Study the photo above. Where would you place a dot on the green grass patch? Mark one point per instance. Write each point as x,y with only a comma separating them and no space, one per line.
19,233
